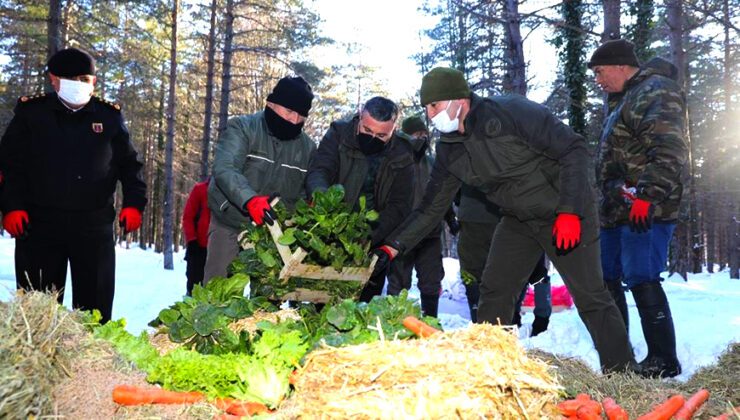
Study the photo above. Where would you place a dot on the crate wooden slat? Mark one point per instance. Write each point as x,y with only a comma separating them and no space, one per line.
293,267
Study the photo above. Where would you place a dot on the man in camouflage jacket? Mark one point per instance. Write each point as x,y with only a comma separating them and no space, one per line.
643,152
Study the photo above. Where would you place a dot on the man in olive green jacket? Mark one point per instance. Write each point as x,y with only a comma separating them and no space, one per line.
257,156
365,155
535,168
643,153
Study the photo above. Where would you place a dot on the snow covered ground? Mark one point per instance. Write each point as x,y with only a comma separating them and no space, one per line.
706,309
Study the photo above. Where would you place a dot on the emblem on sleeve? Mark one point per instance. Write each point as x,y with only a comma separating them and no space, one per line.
97,127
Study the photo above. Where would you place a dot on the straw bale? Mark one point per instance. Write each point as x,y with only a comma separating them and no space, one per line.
478,372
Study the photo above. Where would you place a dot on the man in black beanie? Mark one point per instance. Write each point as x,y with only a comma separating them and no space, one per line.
643,153
257,156
62,155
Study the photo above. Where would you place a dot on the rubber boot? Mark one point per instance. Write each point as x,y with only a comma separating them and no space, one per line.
539,325
660,335
429,305
472,292
617,292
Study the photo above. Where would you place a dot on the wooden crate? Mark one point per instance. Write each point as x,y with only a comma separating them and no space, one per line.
293,267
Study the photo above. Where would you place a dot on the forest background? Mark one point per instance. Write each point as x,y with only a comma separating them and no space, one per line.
180,68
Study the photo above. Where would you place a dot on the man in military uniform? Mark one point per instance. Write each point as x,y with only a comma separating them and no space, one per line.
257,157
426,257
366,155
62,155
642,154
535,168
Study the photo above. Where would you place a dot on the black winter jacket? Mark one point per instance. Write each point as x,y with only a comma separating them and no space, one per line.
339,160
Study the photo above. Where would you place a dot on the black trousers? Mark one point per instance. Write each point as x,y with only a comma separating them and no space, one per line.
196,262
427,258
84,240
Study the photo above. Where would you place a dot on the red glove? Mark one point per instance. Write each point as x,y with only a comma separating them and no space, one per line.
641,216
260,211
566,232
130,219
16,223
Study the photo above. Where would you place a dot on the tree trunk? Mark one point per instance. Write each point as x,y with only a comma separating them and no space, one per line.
611,31
515,80
205,146
223,113
54,28
642,29
169,211
611,20
574,69
729,199
682,244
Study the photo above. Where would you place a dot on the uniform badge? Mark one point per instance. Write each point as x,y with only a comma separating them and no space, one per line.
97,127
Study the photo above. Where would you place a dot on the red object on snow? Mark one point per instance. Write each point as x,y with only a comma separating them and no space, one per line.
561,299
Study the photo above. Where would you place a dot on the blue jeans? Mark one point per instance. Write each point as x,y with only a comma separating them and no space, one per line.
639,257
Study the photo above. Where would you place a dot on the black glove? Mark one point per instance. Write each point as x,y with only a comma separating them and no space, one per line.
384,259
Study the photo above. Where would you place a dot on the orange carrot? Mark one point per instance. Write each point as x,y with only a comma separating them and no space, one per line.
692,404
247,408
613,410
293,378
570,407
584,412
226,417
418,327
665,410
134,395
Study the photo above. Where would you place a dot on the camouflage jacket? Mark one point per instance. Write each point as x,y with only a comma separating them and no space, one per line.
643,145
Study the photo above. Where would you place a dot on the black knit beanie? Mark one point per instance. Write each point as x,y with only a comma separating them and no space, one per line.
293,93
618,52
71,62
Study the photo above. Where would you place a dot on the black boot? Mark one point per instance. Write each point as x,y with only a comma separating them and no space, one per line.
617,292
657,326
430,305
539,325
472,292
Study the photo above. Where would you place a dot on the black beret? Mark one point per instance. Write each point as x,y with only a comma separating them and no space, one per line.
71,62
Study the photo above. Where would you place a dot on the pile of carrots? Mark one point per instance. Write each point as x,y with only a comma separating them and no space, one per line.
134,395
675,407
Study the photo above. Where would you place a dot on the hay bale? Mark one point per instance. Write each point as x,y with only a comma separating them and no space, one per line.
478,372
38,341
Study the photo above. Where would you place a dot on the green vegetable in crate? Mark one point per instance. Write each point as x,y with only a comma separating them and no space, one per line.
327,229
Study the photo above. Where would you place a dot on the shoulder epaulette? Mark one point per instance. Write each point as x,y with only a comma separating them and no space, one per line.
108,103
30,98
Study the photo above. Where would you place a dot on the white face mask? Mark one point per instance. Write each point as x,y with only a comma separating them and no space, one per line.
74,92
443,123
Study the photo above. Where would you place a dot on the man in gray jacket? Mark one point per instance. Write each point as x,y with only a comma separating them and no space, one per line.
257,156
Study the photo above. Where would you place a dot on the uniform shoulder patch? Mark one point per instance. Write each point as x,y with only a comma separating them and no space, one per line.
108,103
31,98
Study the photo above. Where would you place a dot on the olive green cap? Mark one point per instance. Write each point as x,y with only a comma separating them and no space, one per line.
443,83
413,124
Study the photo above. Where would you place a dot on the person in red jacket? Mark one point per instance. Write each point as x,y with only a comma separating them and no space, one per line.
195,220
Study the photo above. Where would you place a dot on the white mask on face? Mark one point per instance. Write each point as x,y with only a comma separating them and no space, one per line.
74,92
443,123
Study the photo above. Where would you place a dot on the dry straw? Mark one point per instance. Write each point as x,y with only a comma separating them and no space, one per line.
477,372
